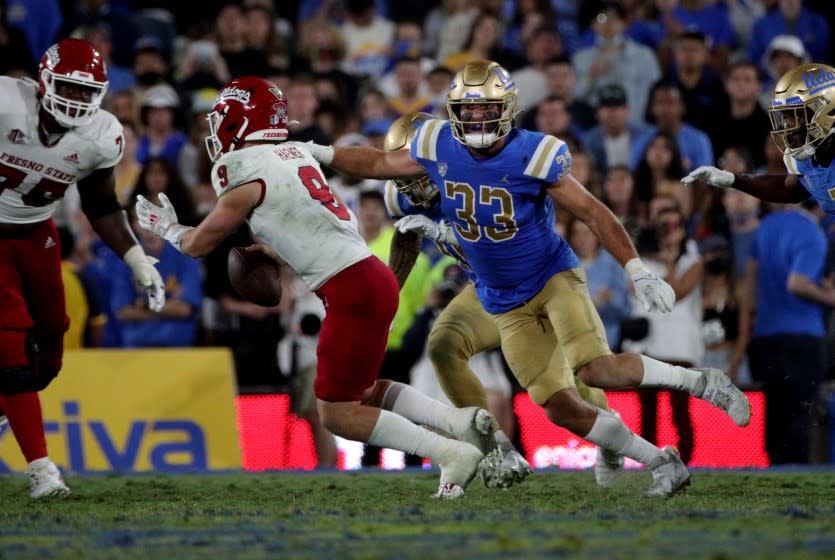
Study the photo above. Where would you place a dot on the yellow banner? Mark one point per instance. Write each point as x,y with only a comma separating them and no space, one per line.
138,410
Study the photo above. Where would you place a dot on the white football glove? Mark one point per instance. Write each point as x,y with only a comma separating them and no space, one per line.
160,220
653,293
710,175
436,231
146,276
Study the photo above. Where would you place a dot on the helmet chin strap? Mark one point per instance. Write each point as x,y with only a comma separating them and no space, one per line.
233,144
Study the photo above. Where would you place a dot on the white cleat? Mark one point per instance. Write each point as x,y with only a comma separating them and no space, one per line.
458,467
503,469
479,430
608,468
45,479
723,394
669,477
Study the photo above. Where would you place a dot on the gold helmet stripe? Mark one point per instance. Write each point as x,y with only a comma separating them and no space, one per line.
428,139
545,152
392,204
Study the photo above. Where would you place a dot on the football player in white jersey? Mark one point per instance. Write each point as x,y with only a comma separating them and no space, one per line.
803,121
52,134
279,189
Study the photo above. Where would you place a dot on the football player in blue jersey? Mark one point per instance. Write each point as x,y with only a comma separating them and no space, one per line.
493,180
463,328
803,120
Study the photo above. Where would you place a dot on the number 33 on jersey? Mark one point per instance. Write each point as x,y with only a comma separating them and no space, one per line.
498,207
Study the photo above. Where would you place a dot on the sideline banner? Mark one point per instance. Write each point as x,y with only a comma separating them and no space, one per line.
154,410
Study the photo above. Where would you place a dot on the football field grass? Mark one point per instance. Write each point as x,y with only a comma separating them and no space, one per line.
723,515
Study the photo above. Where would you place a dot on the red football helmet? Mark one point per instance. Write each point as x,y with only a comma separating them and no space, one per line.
72,80
246,109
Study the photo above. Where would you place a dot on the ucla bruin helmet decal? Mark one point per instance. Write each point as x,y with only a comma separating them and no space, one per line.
420,191
482,82
803,109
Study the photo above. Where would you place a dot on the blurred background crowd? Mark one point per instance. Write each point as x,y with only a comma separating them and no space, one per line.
643,91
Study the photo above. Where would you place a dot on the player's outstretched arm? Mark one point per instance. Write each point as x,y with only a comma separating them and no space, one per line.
362,161
230,212
772,187
405,249
99,203
653,292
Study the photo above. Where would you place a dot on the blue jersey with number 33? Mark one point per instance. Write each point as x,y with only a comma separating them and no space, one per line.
498,209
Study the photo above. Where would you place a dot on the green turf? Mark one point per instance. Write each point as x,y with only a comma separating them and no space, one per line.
350,515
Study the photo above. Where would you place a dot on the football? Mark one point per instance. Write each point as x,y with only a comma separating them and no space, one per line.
254,276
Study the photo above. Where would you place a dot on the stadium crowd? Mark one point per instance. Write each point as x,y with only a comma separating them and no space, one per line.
643,91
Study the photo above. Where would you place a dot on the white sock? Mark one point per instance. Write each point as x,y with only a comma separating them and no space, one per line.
611,433
393,431
422,409
662,374
504,442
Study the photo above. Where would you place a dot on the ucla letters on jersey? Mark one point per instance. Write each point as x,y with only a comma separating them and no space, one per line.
819,181
498,209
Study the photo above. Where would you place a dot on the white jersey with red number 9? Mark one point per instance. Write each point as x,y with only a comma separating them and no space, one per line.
33,176
297,214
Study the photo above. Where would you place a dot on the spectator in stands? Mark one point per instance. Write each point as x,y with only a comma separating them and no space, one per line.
784,52
483,43
368,38
15,55
619,195
261,34
40,21
448,26
726,325
790,18
610,142
176,324
552,117
87,317
743,14
787,350
607,281
745,124
119,77
303,103
231,36
637,27
541,45
660,172
667,111
124,106
561,81
89,12
324,49
616,59
373,106
411,95
678,17
675,337
528,17
743,212
701,87
150,63
161,118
